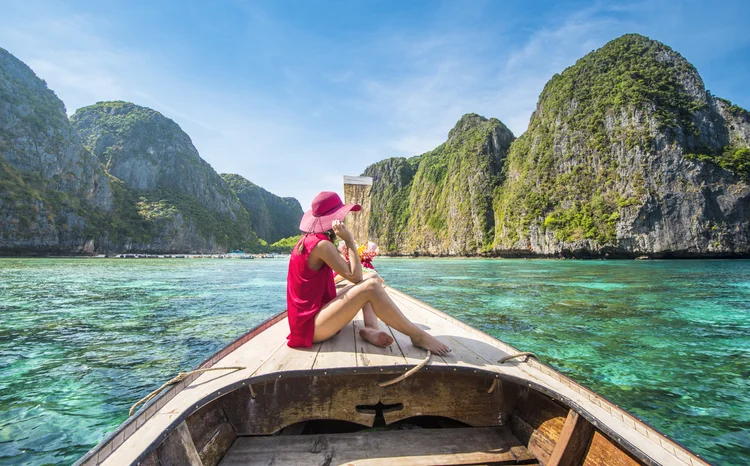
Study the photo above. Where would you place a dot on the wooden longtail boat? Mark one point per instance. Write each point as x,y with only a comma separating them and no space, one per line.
345,401
326,406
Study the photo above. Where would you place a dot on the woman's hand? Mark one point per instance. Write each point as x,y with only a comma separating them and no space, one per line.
342,232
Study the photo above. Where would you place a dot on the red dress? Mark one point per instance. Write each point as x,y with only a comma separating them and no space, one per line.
307,291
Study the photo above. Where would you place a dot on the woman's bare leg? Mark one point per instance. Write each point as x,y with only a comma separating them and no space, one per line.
371,332
339,312
376,337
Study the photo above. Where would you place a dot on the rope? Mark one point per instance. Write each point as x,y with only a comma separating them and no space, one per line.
492,387
518,355
176,379
408,373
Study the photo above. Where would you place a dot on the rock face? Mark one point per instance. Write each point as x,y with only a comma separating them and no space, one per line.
52,189
389,205
628,155
271,217
116,177
440,203
188,205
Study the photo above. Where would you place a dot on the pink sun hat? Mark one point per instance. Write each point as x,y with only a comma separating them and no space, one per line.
326,207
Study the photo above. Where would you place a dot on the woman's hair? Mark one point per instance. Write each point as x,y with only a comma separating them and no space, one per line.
330,234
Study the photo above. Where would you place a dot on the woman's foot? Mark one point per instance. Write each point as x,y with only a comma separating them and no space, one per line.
376,337
426,341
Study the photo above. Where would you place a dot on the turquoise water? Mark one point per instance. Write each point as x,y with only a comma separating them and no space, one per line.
83,339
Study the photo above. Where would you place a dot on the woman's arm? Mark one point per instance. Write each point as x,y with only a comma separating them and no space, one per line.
327,252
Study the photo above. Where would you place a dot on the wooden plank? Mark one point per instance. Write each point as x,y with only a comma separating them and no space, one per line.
371,355
412,354
404,447
338,351
537,422
178,449
218,446
290,359
463,343
204,423
603,452
573,442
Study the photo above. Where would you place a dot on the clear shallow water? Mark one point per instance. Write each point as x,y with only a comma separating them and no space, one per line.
83,339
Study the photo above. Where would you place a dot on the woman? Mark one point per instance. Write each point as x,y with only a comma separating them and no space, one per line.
316,311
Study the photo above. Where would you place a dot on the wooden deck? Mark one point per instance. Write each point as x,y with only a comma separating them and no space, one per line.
266,354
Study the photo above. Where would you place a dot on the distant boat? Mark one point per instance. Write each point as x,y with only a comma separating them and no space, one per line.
484,403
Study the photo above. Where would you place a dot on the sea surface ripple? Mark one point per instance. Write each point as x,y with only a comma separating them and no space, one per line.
83,339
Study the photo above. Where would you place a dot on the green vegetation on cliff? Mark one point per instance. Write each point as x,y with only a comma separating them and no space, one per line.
173,188
626,154
21,89
114,177
441,201
735,156
284,245
271,217
564,168
38,208
389,213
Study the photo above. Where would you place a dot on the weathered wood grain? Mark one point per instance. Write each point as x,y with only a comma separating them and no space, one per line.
289,400
405,447
178,449
603,452
537,422
573,442
218,445
371,355
338,351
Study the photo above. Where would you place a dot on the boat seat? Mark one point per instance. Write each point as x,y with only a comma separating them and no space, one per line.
485,445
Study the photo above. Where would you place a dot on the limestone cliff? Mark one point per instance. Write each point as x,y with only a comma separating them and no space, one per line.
440,203
271,217
389,207
627,154
52,189
186,203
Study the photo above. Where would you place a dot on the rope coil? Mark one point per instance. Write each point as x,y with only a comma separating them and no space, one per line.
408,373
177,379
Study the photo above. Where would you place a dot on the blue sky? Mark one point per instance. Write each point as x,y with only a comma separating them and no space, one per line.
293,95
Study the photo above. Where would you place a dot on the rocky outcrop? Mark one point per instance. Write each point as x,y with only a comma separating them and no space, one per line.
389,205
271,217
115,177
187,204
52,189
628,155
440,203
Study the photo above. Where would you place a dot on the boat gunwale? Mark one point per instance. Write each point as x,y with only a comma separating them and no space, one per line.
175,389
